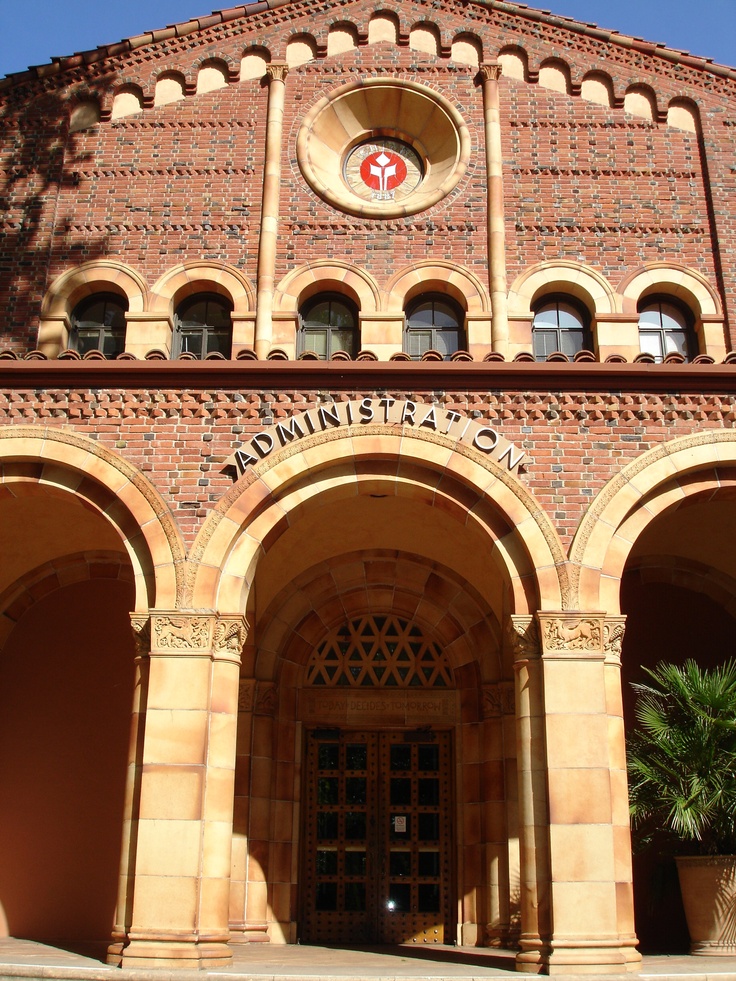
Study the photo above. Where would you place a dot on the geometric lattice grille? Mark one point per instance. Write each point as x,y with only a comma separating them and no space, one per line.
378,652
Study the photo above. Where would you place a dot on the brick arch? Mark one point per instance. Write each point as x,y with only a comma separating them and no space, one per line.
386,461
436,277
562,276
65,463
98,276
376,580
660,479
201,276
79,567
329,275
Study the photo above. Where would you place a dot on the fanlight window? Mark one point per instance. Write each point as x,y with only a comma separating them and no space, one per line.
560,325
329,323
379,652
204,326
434,323
665,328
98,324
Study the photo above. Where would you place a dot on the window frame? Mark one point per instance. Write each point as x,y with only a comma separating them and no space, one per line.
331,330
586,335
435,332
206,330
84,329
689,336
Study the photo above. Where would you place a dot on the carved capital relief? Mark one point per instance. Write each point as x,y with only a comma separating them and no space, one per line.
490,71
229,638
613,638
246,695
498,700
266,697
141,626
571,634
523,635
277,70
183,632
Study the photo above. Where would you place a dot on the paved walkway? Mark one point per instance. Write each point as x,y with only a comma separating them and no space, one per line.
27,959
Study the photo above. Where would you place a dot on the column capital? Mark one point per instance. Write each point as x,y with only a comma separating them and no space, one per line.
571,634
277,70
177,632
523,635
490,71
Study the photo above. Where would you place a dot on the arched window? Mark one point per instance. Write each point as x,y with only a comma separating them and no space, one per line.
204,326
560,324
98,324
329,323
434,323
666,327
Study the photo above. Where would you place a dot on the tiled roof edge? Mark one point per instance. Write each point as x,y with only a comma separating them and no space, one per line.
660,50
138,41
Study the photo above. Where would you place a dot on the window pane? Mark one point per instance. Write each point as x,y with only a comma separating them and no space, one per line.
193,314
545,342
650,317
318,315
572,342
569,316
546,316
446,342
445,316
417,342
672,317
421,315
316,340
219,341
675,341
191,339
650,342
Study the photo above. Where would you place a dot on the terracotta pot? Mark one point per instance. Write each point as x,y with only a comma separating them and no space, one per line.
708,886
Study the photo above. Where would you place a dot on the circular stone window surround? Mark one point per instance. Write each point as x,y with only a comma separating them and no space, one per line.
371,108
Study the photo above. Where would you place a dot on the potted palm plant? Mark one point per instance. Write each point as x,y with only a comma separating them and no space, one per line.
682,787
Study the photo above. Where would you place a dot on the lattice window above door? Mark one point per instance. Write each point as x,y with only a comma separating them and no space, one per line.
379,652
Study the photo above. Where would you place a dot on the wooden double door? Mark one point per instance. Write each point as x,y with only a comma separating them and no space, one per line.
377,852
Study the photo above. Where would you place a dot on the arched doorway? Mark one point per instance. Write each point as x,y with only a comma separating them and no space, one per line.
663,534
376,526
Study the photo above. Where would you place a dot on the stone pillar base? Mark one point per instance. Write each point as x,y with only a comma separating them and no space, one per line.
252,933
620,958
175,954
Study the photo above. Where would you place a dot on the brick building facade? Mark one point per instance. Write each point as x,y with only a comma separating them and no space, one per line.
374,363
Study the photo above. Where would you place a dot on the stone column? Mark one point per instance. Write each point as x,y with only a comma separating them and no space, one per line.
490,73
276,74
498,721
239,932
260,818
578,747
182,852
142,636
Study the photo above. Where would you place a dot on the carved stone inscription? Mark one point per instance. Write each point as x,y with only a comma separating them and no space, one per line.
396,708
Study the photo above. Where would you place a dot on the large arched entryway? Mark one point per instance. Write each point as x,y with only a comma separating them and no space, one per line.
666,542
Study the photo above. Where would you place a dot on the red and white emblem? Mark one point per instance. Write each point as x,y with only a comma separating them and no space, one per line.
383,170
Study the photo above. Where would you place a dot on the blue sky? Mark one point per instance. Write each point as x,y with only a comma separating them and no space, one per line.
33,32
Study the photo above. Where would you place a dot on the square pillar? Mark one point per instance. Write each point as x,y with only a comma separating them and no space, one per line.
576,740
183,833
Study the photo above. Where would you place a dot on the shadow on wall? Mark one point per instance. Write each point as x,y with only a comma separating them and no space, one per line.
43,160
66,693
